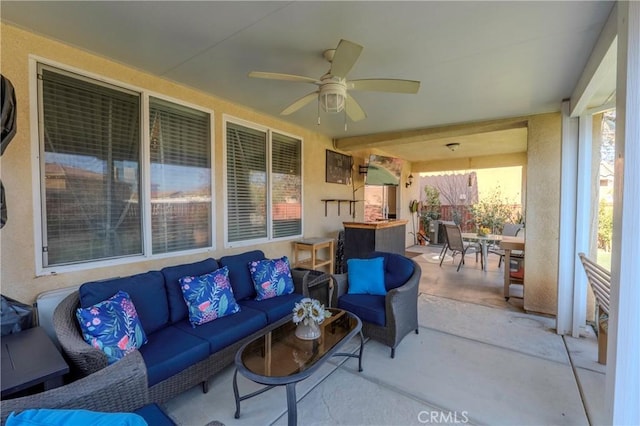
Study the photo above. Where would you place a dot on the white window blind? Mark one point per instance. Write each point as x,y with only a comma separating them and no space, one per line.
286,178
90,135
180,152
246,183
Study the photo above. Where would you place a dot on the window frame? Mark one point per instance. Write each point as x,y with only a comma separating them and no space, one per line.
269,216
37,167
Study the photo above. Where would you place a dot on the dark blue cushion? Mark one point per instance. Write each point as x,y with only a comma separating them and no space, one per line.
177,305
276,307
226,330
368,307
147,292
171,350
154,415
239,274
397,269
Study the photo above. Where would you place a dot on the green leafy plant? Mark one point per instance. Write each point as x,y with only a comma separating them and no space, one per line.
493,211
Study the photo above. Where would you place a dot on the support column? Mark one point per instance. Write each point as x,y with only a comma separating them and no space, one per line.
623,356
568,191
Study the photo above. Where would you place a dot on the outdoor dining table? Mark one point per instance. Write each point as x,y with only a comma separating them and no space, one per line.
484,241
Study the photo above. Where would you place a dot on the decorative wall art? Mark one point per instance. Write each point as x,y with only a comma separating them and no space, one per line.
338,168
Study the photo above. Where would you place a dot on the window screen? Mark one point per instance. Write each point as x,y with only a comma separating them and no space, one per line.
286,186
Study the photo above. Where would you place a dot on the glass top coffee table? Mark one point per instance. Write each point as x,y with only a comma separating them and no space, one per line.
279,358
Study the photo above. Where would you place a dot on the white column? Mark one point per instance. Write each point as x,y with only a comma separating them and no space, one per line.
566,251
622,394
583,222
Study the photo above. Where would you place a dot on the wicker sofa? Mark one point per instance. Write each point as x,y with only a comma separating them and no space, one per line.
389,318
178,356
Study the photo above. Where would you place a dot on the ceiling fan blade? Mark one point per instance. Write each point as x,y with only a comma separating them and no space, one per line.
354,110
300,103
384,85
285,77
344,58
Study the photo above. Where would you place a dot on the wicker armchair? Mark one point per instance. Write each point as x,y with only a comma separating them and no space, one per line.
401,310
121,387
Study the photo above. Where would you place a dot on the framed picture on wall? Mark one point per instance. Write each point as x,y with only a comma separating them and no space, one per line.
338,168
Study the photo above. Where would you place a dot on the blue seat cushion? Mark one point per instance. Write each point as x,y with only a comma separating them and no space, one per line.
61,417
368,307
177,306
153,415
275,308
170,351
226,330
147,292
239,274
397,268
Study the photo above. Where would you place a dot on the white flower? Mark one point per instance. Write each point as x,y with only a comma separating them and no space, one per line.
308,310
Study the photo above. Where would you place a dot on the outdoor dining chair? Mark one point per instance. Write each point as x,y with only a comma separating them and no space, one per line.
456,244
508,230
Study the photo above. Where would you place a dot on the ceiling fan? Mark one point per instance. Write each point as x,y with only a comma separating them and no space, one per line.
333,87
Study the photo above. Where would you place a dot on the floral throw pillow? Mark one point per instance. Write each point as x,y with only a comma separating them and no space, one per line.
271,277
208,296
112,326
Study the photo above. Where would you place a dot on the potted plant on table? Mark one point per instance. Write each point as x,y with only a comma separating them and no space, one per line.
308,314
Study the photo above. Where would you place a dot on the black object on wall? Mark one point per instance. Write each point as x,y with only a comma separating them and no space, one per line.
8,124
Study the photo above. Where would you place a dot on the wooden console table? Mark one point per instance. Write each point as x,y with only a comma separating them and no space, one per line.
314,261
508,244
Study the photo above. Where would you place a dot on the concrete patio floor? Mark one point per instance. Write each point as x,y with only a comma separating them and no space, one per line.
478,360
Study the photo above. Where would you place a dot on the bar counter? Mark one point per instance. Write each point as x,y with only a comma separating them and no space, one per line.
362,238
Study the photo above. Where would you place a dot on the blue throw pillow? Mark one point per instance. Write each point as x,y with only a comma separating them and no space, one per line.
271,277
112,326
366,276
209,296
53,417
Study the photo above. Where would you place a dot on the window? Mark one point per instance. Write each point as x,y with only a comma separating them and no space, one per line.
180,177
92,180
264,184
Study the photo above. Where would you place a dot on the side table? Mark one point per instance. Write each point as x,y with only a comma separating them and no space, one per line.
28,359
314,261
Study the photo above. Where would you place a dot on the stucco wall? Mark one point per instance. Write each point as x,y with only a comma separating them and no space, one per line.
542,213
18,274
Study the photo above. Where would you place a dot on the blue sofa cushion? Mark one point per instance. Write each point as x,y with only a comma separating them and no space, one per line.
171,350
227,330
276,307
209,296
172,274
397,269
271,277
55,417
112,326
239,274
153,415
147,292
366,276
368,307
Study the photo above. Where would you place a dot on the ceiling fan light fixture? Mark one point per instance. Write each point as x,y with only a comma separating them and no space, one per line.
333,97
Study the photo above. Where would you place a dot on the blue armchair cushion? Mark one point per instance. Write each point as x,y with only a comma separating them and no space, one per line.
54,417
369,308
112,326
154,415
239,274
209,296
366,276
228,330
271,277
171,350
397,269
172,274
147,291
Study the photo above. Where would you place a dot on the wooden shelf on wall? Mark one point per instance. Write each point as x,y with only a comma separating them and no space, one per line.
339,201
